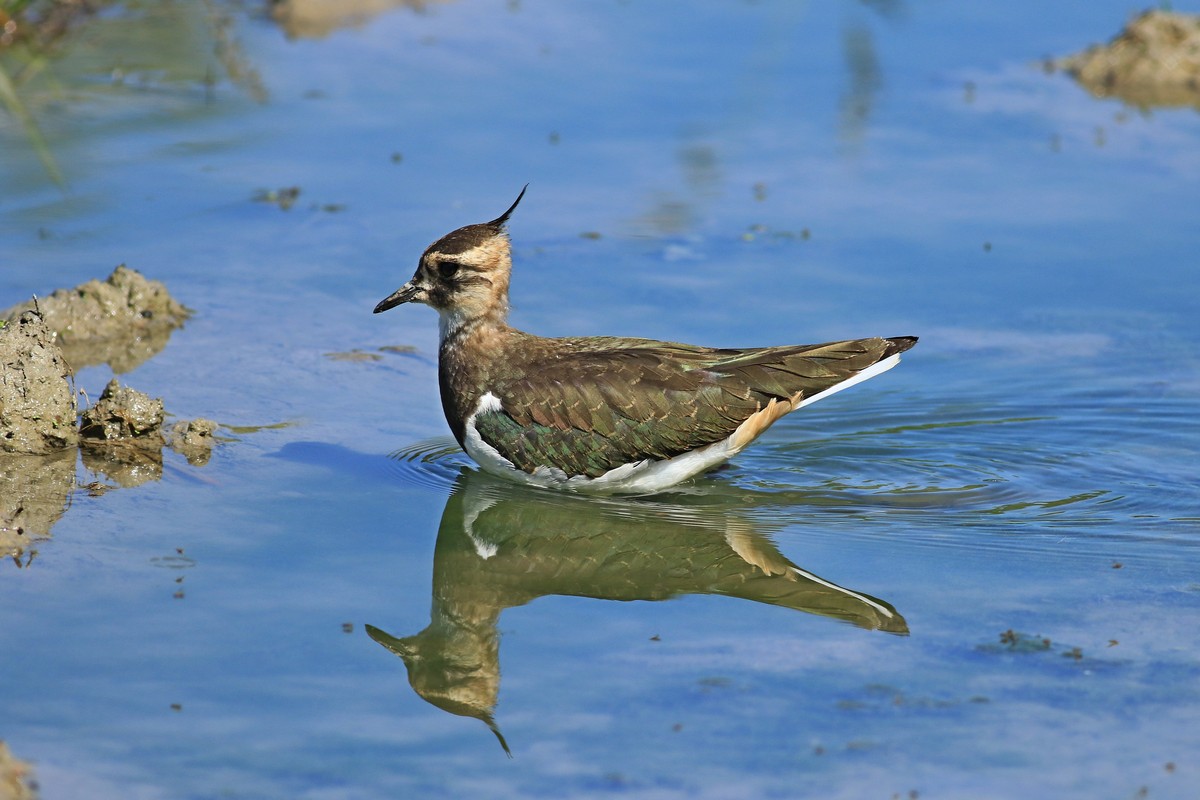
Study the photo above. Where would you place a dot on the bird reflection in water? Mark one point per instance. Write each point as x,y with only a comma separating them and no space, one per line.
501,545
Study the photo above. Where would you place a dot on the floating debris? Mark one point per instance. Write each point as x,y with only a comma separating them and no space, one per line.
1012,641
755,231
1024,643
354,356
285,198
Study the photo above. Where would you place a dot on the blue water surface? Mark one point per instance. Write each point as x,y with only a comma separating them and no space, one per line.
998,542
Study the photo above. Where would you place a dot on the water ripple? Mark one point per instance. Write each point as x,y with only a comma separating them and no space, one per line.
1084,465
431,464
1067,466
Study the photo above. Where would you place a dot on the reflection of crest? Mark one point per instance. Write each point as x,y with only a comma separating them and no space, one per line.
501,545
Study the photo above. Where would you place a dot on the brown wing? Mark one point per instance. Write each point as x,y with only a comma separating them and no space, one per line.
587,406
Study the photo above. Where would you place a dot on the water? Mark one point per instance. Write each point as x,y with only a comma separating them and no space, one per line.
1019,496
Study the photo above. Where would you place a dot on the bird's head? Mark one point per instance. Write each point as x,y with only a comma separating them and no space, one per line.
464,274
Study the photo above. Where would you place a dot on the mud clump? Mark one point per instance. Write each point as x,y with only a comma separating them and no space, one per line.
16,777
37,394
123,413
121,435
1154,61
193,439
121,321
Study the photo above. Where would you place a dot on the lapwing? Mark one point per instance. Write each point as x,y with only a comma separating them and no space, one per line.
605,414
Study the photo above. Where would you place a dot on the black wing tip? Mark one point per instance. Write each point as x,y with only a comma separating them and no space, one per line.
898,344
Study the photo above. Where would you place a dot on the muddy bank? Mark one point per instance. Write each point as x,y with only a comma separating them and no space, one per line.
1154,61
120,321
121,437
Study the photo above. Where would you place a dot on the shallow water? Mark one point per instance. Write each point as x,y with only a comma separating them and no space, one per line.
998,541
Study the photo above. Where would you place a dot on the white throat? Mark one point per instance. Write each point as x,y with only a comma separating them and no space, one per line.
449,323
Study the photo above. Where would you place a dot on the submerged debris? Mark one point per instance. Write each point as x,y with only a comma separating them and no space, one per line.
1012,641
354,355
285,198
37,396
121,321
1154,61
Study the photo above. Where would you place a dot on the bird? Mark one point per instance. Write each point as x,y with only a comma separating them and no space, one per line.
604,415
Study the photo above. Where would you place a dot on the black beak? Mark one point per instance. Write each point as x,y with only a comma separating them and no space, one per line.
402,295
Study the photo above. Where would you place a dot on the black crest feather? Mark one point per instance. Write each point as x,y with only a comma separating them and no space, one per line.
499,221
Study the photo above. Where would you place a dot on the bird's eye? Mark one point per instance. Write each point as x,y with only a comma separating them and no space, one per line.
447,268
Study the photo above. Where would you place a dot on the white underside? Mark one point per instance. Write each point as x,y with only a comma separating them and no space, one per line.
640,477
